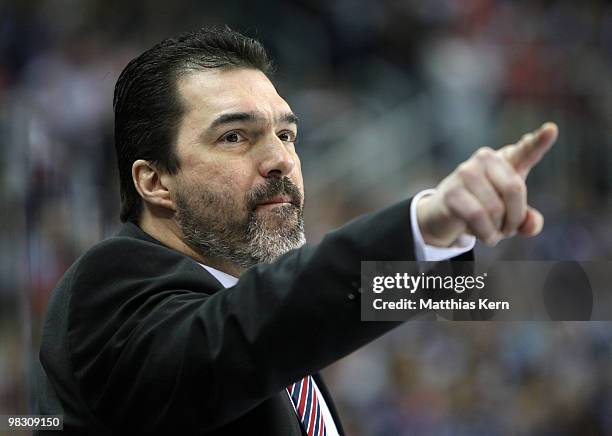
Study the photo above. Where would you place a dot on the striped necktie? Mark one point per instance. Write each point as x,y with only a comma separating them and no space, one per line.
304,397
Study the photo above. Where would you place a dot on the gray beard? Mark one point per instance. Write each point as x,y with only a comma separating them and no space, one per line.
211,226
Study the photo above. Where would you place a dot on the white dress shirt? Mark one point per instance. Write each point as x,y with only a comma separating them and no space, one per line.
423,252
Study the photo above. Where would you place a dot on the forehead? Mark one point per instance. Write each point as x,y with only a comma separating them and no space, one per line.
210,93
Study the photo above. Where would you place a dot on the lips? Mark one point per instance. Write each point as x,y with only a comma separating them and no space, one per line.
279,199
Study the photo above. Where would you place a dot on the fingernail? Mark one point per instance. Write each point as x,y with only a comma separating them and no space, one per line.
493,240
545,126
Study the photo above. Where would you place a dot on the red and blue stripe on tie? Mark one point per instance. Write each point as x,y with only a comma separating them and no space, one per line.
304,397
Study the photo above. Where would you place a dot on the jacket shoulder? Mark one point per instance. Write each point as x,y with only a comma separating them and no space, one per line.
124,253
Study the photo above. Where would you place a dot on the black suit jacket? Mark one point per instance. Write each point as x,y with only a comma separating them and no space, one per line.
139,338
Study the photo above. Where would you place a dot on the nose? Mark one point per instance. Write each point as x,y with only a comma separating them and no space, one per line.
276,160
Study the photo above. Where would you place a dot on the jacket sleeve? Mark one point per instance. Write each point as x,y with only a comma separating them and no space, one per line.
155,351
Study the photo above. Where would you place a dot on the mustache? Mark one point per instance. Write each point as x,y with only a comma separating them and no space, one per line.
272,188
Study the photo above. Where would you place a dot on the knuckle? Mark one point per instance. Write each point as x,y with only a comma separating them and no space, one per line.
498,157
515,186
476,215
484,153
496,209
467,171
450,194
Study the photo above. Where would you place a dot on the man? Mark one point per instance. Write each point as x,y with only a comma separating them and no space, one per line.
207,314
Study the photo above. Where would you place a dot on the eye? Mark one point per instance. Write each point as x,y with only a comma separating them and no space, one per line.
232,137
287,136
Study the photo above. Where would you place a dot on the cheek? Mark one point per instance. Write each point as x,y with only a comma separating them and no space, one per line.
229,181
214,175
297,176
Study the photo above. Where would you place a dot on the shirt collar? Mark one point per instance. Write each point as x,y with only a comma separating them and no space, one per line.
225,279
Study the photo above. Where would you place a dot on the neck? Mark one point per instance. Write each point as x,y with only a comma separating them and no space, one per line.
167,232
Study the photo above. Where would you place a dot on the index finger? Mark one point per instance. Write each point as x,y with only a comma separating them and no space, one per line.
529,150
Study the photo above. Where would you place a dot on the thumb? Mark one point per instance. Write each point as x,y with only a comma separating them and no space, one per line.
533,222
530,149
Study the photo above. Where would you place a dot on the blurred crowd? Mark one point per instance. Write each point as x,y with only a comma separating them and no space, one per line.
391,96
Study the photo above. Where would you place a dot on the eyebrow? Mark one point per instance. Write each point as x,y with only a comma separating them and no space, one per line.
250,117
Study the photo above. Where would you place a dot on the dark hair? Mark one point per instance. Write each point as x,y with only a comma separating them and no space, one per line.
147,105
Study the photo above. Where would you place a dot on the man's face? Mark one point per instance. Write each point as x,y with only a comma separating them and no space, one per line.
239,192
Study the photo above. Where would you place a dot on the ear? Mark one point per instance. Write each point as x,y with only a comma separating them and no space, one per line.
151,184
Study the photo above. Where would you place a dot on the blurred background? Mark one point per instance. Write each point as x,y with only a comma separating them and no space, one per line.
392,95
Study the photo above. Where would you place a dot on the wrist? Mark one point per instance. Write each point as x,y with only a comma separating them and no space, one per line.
438,229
